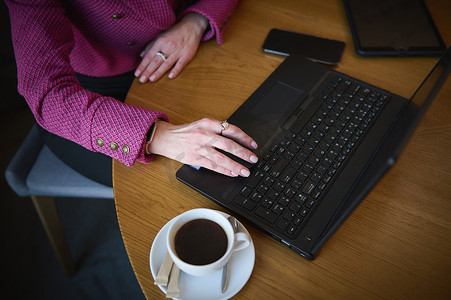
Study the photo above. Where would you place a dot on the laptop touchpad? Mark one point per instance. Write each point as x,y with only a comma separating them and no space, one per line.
277,104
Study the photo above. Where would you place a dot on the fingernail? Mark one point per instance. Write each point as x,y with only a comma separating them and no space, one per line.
245,172
137,73
142,79
233,174
171,75
253,158
254,145
152,78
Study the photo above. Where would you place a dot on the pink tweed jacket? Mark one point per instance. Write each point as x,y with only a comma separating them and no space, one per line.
55,39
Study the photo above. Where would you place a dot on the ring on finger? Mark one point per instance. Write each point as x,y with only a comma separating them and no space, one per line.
162,55
224,125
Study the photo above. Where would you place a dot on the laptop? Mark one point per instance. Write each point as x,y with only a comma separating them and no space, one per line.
325,139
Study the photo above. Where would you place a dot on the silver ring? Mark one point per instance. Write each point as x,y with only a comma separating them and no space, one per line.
224,125
161,54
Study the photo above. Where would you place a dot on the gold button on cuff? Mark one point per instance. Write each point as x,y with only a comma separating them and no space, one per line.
99,142
125,149
113,146
116,16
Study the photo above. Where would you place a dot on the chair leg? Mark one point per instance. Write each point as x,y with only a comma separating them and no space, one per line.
45,206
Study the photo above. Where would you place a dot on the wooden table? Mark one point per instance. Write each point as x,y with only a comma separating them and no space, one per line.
395,245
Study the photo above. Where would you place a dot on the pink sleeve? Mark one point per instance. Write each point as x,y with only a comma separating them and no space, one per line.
217,12
42,38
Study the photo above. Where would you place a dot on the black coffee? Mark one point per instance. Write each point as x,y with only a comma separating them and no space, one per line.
200,242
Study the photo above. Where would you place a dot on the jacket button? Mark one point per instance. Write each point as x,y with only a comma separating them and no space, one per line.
116,16
99,142
125,149
131,43
113,146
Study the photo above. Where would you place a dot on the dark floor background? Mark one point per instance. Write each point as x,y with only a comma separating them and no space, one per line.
29,267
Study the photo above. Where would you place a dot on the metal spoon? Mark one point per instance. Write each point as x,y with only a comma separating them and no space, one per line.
226,268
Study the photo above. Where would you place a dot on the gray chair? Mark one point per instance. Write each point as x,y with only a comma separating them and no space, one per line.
36,172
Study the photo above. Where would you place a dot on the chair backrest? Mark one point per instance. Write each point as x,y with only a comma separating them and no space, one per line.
36,171
19,167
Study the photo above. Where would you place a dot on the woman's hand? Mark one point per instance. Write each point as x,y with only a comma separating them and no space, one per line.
196,143
178,45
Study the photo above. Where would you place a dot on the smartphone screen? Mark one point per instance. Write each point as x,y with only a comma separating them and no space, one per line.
315,48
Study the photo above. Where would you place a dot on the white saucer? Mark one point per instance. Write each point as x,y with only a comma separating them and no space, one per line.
206,287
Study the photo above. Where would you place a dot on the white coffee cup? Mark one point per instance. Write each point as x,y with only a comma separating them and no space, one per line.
235,241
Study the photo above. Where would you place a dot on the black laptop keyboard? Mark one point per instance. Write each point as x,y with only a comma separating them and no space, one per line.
289,180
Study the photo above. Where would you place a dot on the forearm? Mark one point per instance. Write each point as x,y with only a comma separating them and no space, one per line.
217,12
196,22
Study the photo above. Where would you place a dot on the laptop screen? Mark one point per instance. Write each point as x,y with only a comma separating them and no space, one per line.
424,94
422,98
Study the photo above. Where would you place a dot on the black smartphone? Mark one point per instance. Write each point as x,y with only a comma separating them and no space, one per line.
315,48
393,28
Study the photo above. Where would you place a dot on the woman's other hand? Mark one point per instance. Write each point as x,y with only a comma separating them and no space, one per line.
177,46
197,143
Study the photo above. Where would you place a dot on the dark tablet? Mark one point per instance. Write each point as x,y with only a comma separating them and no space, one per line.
393,28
